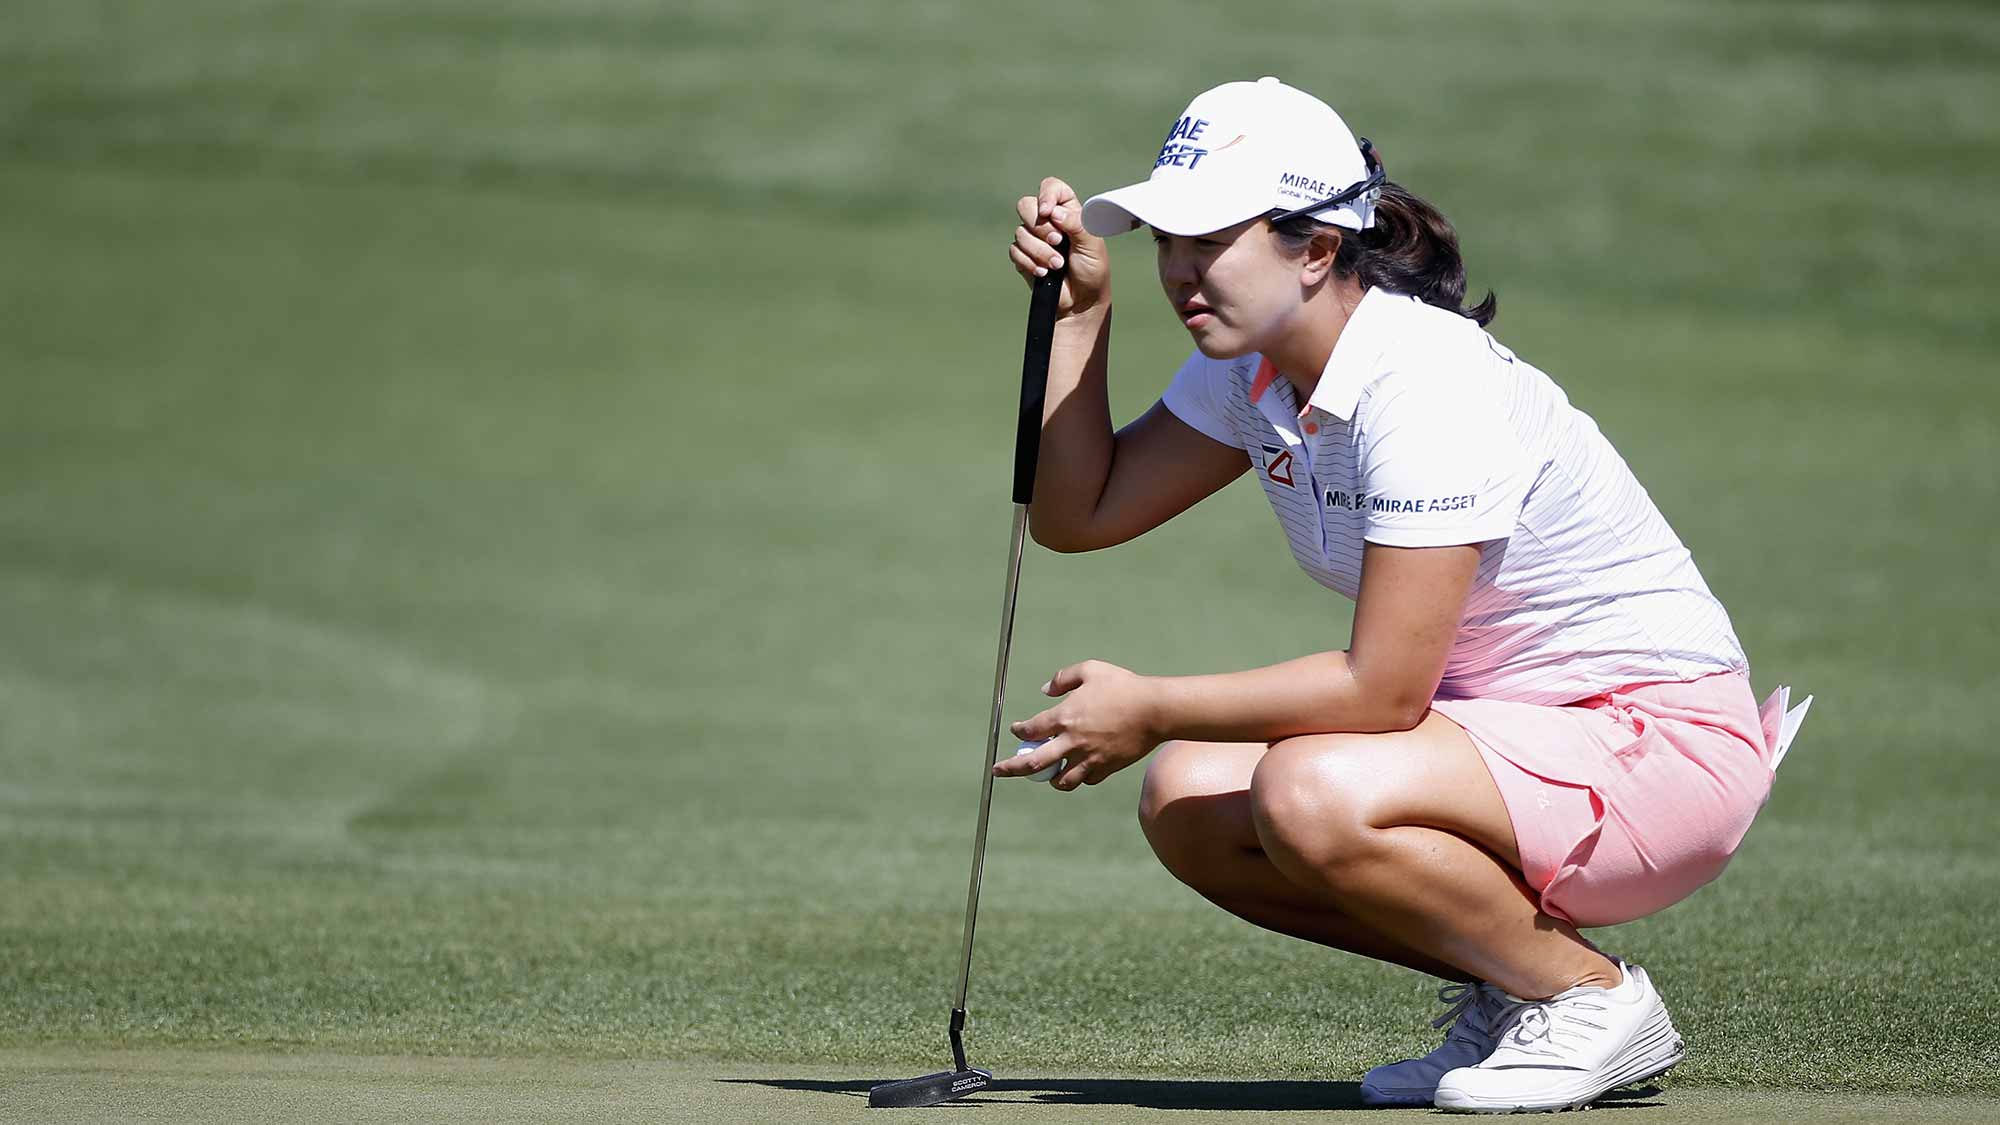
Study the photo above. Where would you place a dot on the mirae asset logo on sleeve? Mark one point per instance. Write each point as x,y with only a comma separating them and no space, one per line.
1361,501
1278,466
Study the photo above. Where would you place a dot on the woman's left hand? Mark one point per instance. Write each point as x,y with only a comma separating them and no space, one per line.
1108,719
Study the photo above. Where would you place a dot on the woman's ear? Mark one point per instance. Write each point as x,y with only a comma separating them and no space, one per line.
1320,254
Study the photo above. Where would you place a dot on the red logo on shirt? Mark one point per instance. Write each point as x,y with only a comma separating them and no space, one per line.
1279,468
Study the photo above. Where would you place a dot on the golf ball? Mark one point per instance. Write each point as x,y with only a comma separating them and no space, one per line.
1047,773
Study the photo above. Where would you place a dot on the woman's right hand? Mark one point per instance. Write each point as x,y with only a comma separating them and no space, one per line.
1051,232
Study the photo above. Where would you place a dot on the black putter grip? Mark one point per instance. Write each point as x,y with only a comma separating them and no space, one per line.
1042,308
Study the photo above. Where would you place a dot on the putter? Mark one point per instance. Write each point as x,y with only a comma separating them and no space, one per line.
962,1079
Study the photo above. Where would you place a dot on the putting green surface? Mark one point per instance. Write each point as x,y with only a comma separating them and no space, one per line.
502,508
227,1087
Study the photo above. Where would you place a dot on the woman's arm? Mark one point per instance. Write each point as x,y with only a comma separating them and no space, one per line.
1405,621
1094,488
1158,467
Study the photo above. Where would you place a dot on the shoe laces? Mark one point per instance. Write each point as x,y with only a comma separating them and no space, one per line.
1465,1000
1549,1027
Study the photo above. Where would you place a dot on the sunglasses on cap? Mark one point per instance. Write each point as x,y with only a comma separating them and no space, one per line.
1346,195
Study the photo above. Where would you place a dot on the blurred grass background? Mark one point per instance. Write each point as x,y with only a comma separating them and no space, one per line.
502,508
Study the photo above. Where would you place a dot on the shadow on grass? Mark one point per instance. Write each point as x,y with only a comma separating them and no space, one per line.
1164,1093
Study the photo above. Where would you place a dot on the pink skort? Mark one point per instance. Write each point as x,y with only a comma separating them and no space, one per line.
1628,802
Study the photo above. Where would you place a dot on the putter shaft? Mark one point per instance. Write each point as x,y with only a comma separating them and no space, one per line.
1015,546
1042,308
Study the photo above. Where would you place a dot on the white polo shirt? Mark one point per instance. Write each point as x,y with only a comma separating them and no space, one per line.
1423,432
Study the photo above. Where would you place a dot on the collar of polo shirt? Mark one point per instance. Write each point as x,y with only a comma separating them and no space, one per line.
1356,358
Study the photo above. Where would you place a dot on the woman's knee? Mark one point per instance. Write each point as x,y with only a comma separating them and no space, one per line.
1191,804
1182,772
1311,806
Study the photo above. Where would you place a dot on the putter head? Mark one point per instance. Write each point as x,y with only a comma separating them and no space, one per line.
931,1089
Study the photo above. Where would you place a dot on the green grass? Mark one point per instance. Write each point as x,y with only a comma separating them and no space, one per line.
57,1087
503,508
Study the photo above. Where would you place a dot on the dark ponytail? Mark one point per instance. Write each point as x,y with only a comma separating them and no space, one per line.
1410,249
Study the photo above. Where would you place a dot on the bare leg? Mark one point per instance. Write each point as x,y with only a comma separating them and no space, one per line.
1196,812
1408,834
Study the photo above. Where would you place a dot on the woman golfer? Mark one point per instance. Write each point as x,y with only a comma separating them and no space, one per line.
1543,721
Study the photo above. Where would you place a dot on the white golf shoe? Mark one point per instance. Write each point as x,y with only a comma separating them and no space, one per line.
1476,1014
1567,1051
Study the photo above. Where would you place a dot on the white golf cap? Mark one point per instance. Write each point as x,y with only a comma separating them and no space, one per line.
1236,152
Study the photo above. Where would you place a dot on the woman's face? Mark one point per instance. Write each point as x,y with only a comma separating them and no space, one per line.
1234,290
